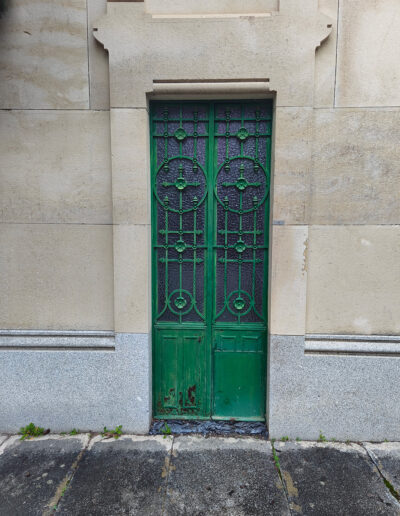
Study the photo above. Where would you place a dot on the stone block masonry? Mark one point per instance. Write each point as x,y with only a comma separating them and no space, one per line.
75,282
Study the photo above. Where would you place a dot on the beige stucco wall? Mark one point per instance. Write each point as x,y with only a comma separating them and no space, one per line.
66,231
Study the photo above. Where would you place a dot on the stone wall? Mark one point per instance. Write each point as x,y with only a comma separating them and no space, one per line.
61,364
353,267
55,172
345,152
337,369
71,219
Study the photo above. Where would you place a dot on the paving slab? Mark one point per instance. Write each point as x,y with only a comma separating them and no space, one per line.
31,472
124,476
224,476
387,458
327,479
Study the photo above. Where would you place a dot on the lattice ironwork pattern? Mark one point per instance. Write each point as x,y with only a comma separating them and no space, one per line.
211,153
180,133
242,134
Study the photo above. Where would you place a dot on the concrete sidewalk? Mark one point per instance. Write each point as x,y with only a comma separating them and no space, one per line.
191,475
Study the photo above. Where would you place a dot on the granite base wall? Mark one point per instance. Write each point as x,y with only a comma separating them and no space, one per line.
343,386
67,380
346,390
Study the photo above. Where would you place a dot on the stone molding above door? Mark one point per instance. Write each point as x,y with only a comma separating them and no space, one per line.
279,46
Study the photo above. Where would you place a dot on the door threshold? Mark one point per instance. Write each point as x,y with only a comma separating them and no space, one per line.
209,427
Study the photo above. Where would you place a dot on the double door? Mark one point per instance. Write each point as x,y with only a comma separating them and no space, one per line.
210,204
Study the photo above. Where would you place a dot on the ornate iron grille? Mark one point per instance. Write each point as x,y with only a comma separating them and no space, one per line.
199,153
242,134
180,192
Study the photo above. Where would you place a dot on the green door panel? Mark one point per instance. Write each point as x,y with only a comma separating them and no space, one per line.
210,185
238,386
239,374
179,382
248,340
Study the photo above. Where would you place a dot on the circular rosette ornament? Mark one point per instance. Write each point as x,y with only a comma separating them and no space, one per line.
180,246
180,134
180,302
239,303
240,187
181,183
242,134
177,184
240,246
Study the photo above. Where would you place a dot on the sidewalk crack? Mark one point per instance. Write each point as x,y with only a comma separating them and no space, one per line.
281,476
52,506
378,466
166,470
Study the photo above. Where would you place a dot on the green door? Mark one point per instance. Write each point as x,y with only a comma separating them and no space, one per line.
210,204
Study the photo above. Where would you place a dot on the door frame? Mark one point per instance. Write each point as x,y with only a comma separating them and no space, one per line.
282,65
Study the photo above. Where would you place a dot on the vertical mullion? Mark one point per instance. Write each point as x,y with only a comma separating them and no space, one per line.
227,167
240,209
194,255
195,218
211,261
166,211
166,257
180,211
